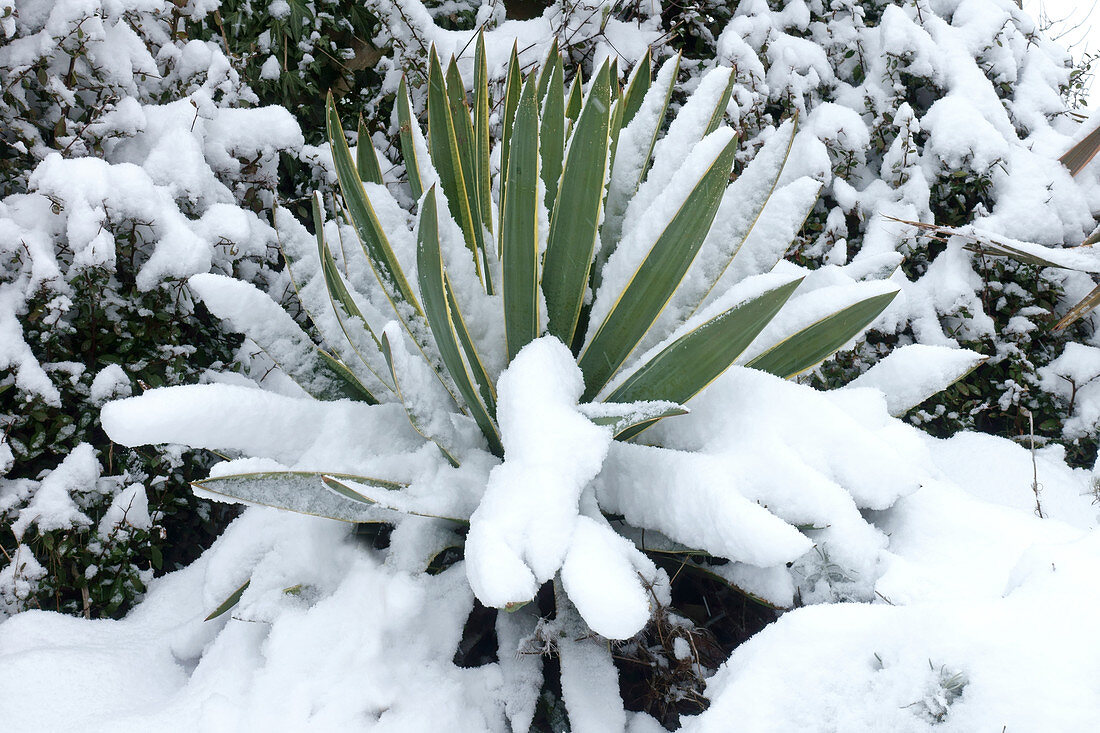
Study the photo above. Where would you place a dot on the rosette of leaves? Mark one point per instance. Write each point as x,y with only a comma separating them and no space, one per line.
525,336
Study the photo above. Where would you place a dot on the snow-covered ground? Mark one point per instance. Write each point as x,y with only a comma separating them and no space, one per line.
983,615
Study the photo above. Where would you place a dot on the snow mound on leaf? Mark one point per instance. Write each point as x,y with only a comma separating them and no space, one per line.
521,532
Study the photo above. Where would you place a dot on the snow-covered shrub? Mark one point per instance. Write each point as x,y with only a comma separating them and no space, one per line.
131,165
519,352
291,53
950,112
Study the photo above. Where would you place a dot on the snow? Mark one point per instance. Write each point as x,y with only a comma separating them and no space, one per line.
967,572
589,681
1002,473
911,374
356,623
522,530
518,665
52,506
92,186
129,509
18,579
260,423
770,236
1072,376
694,501
601,576
111,382
271,68
15,354
811,670
179,672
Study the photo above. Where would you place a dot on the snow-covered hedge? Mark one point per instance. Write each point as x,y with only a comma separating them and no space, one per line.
131,162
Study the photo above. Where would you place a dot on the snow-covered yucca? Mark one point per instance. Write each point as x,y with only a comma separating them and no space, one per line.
522,352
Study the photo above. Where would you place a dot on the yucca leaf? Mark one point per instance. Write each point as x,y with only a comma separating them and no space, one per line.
463,124
623,417
469,155
414,323
815,343
296,491
652,541
637,87
519,234
657,277
695,564
552,124
366,157
447,152
1093,238
417,419
574,99
477,368
628,174
685,131
383,498
675,557
437,309
512,90
445,557
370,231
233,599
939,367
1082,258
349,317
406,120
481,132
1077,157
1087,304
546,70
351,386
686,366
343,337
731,226
720,109
615,127
574,226
1007,250
338,292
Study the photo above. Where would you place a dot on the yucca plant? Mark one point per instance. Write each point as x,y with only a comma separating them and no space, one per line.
529,342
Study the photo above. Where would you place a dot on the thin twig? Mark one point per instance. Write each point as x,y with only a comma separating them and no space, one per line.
1035,486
